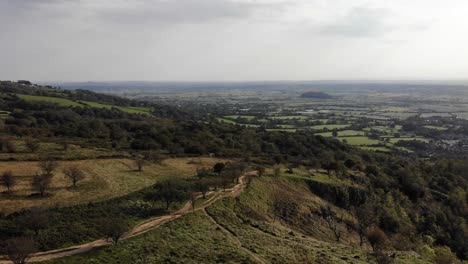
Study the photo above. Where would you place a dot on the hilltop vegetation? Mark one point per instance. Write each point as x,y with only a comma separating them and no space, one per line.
305,207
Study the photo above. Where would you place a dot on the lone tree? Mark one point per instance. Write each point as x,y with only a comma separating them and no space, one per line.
333,221
113,228
41,182
218,168
74,174
8,180
19,249
202,186
365,216
32,145
330,166
48,166
170,191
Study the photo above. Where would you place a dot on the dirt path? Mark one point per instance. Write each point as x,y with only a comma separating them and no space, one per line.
139,229
238,242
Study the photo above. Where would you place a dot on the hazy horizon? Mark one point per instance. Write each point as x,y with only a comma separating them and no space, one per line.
233,40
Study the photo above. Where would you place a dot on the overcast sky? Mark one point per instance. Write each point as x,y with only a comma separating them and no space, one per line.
221,40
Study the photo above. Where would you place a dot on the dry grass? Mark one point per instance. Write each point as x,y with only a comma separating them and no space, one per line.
105,178
55,150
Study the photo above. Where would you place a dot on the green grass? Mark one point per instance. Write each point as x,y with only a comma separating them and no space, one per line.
71,103
360,141
55,100
301,117
227,121
329,127
128,109
290,130
193,238
396,140
344,133
378,149
247,117
189,239
436,128
385,129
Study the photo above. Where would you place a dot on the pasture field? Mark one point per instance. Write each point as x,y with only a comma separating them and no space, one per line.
360,141
396,140
128,109
329,127
105,179
436,128
55,100
300,117
234,117
343,133
71,103
378,149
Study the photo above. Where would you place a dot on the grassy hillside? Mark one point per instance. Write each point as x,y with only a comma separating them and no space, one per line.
105,179
232,227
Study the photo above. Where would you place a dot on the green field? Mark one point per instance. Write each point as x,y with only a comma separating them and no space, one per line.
329,127
128,109
71,103
378,149
384,129
247,117
396,140
360,141
436,128
55,100
344,133
301,117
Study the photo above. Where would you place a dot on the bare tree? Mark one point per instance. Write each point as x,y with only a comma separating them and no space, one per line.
48,166
41,182
140,163
19,249
8,180
193,200
32,145
276,171
74,174
334,221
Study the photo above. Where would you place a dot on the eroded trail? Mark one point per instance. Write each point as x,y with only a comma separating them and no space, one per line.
141,228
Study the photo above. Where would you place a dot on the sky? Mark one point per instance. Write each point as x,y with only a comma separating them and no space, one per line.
233,40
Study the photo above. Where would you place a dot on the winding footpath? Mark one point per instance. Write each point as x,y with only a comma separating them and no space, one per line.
146,226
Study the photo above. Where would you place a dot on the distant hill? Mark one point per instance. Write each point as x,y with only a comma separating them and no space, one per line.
316,95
